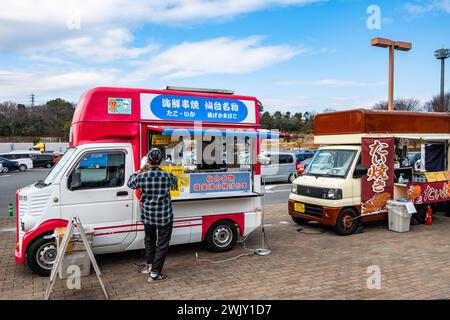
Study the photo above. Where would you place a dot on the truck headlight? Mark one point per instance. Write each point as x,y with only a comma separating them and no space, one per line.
28,223
294,189
332,193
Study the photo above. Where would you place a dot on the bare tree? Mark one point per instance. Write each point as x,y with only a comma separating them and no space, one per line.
410,104
437,104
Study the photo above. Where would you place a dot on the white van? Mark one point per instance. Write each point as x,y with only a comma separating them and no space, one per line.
23,157
280,168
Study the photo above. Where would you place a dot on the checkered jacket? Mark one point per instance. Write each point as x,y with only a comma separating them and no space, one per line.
155,185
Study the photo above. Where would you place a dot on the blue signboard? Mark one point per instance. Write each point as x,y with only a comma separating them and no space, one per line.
219,182
186,108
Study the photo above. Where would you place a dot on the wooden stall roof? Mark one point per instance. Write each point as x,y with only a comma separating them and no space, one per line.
361,121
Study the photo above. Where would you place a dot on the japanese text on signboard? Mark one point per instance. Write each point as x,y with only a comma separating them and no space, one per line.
378,185
220,182
171,107
378,169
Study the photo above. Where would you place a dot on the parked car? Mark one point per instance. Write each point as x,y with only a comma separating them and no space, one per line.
302,166
1,167
45,160
9,165
22,157
281,167
303,155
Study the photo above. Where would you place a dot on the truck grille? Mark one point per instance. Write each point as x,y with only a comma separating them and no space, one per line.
312,192
313,210
38,204
23,208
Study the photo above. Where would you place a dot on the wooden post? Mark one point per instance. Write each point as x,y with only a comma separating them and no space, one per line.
391,78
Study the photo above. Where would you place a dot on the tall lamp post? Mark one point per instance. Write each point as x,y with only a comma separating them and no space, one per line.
392,45
442,54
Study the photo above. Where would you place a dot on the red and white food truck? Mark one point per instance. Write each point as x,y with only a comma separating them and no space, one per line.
112,129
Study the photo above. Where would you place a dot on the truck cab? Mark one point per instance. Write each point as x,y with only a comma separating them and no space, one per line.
330,182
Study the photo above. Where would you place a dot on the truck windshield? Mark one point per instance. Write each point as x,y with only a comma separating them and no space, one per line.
331,163
57,167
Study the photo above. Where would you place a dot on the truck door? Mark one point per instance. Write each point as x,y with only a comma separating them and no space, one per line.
356,184
96,190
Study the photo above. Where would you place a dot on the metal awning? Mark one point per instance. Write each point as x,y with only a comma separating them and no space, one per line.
226,133
425,137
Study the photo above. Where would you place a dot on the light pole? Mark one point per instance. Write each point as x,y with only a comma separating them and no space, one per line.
442,54
392,45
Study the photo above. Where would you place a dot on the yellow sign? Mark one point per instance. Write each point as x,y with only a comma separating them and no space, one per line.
447,174
184,182
435,176
160,140
175,170
175,192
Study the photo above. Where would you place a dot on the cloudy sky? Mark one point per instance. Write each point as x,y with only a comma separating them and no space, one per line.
294,55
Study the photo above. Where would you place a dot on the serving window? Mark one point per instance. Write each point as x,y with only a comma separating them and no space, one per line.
207,164
207,153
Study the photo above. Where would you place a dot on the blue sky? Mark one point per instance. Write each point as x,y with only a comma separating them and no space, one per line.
294,55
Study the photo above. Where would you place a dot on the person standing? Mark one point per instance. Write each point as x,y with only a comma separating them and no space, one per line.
156,213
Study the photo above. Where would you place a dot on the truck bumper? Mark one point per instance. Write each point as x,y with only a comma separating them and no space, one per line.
324,215
19,257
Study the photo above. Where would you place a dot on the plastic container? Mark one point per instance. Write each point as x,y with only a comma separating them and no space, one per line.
399,215
75,260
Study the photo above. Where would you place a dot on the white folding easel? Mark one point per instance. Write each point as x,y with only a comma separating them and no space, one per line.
74,222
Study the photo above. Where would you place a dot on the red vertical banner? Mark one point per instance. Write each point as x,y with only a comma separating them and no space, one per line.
377,187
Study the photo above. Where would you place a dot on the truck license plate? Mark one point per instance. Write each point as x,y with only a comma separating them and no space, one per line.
299,207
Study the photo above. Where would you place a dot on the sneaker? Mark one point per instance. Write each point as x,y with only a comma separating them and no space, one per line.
157,278
145,269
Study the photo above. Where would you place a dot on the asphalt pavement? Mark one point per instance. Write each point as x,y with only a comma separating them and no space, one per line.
10,182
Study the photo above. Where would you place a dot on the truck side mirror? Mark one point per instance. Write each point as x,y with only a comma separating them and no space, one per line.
359,172
75,180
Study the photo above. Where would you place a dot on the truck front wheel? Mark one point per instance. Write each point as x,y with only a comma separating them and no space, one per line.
41,256
221,236
346,223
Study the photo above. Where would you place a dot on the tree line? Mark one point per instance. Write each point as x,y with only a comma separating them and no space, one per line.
52,119
304,122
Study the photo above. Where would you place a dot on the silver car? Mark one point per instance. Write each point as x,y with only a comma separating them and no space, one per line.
280,168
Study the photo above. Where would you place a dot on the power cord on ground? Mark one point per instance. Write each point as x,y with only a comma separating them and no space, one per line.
242,242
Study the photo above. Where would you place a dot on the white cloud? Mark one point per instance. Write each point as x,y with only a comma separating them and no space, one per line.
215,56
31,23
19,84
110,45
421,7
330,83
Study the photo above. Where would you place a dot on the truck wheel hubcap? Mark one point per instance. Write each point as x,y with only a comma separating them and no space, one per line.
46,255
347,221
222,236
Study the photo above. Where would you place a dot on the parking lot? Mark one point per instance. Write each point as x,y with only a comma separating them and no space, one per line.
11,181
276,193
314,263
